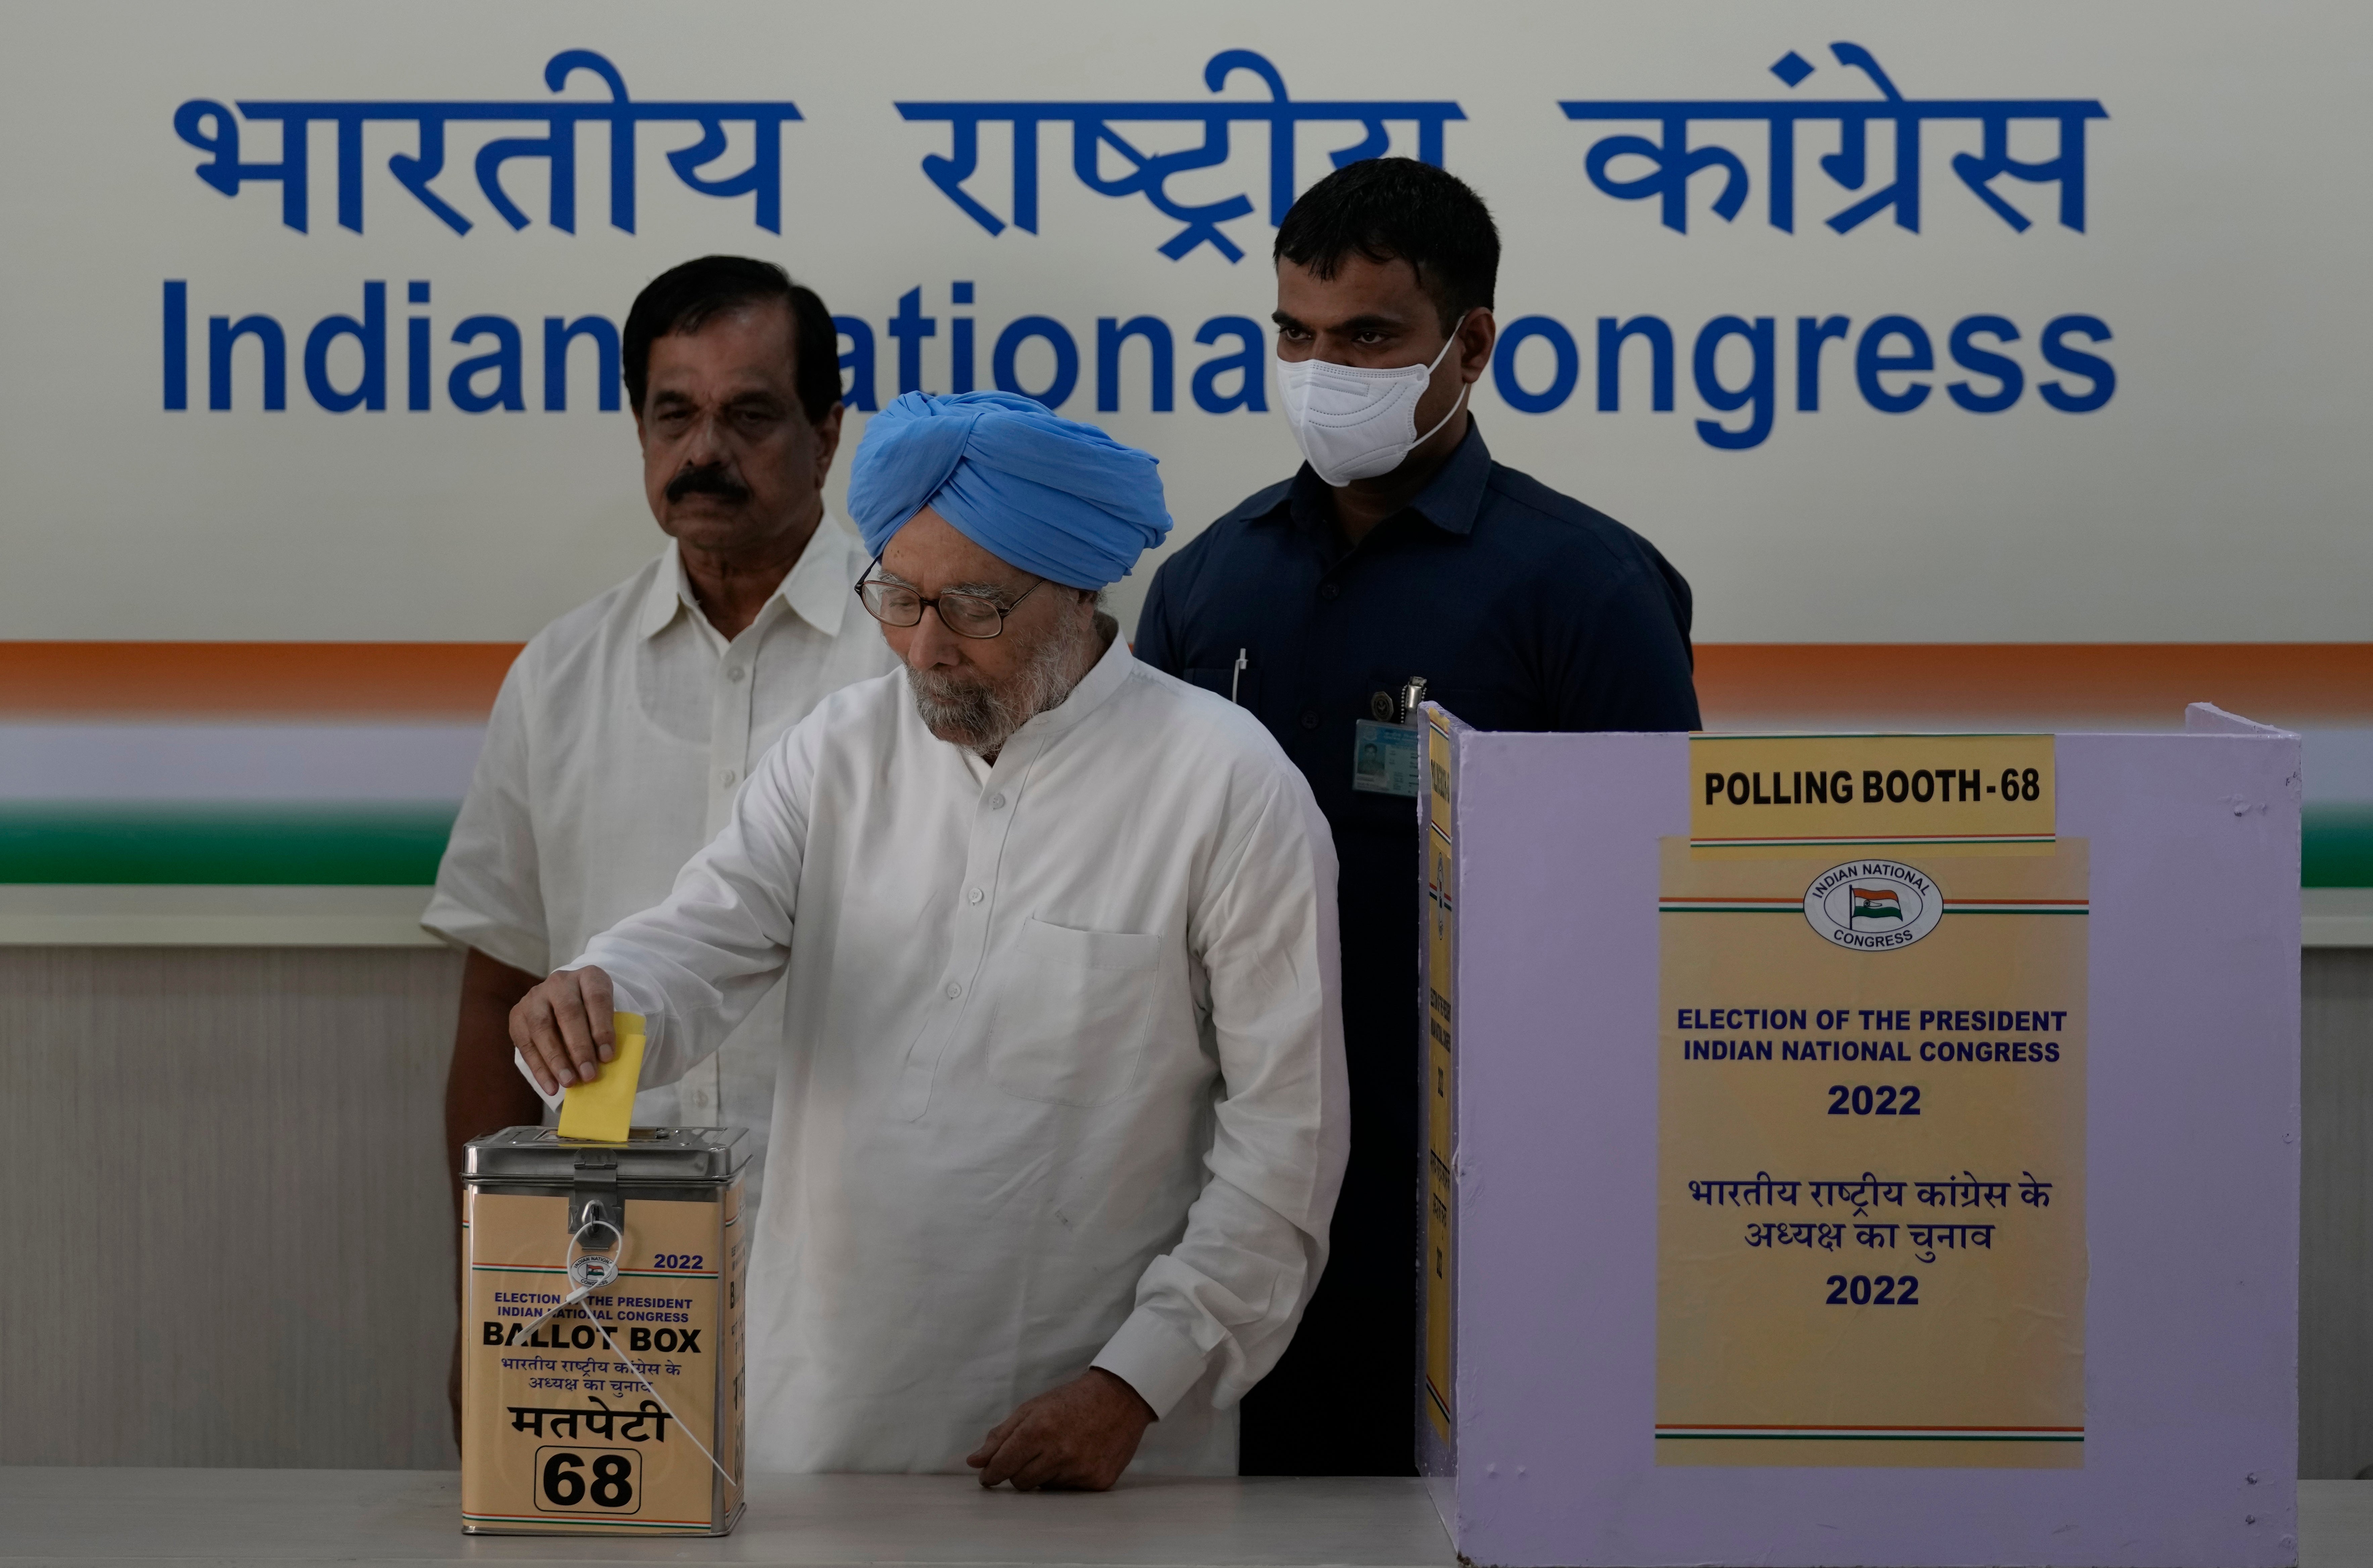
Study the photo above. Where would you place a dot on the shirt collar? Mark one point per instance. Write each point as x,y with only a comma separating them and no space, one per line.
1449,501
668,594
816,587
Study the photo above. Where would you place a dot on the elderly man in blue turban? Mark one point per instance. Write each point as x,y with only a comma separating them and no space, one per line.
1061,1114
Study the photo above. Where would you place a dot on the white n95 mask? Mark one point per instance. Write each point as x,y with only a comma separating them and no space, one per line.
1353,423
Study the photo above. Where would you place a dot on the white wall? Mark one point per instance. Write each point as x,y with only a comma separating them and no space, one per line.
2216,495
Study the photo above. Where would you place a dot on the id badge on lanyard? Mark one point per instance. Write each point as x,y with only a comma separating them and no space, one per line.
1383,758
1385,754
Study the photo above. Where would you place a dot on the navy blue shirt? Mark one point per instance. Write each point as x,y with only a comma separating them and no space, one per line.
1524,609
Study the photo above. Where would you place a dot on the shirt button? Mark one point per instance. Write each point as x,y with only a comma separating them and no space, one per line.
1310,718
727,776
976,896
734,673
996,803
1331,592
954,991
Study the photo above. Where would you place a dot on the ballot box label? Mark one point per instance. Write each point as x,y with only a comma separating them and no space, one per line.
1871,1157
593,1418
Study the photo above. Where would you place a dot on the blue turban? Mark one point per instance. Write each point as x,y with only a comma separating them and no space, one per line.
1053,496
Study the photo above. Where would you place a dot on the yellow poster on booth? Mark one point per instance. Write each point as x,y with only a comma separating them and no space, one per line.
1871,1141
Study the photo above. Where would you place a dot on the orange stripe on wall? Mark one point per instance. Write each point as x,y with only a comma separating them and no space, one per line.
384,681
1738,684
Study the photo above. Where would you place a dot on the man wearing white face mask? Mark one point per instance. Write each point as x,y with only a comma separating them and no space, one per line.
1400,550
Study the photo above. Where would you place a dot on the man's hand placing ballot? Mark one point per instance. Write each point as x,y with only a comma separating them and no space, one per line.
1077,1438
563,1029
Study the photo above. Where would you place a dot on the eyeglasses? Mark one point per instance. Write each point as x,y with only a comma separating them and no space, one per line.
968,615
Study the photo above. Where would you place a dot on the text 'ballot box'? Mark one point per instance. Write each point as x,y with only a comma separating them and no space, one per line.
1862,1148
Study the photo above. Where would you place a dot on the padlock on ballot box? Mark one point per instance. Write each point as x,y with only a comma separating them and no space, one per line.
602,1327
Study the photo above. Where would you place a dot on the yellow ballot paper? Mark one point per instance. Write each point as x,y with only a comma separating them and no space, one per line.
602,1111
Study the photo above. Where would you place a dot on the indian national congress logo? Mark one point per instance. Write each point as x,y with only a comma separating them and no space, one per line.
1873,905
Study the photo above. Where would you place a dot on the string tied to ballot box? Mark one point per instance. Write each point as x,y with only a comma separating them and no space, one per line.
592,1272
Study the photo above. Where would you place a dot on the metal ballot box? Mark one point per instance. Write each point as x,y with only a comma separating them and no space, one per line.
601,1317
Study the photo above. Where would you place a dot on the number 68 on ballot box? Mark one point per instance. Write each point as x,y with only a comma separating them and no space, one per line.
602,1327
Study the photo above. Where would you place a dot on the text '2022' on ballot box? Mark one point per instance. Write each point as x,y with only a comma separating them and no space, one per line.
601,1344
1855,1149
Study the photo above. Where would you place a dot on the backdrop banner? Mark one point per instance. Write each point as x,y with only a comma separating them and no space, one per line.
2010,325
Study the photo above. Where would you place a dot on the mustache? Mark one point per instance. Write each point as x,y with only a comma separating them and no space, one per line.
981,714
708,479
972,713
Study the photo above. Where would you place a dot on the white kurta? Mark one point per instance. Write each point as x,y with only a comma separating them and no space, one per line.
1063,1079
619,740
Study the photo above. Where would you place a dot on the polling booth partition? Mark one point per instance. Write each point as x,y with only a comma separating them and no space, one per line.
1776,1211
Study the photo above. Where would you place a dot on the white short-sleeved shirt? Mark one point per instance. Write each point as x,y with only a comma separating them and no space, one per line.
621,737
1063,1074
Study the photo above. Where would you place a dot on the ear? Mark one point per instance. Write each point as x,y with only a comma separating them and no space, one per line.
827,431
1477,336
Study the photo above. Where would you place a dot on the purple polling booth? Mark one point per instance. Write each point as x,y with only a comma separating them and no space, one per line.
1542,1418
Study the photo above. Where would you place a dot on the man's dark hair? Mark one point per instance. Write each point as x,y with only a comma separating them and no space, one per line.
686,298
1397,209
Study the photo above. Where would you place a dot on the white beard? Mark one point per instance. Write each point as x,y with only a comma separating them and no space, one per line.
982,717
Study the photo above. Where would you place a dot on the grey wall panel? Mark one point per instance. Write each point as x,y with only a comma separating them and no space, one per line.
229,1240
226,1217
2336,1212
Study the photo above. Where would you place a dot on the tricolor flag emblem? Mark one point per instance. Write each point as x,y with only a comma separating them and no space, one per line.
1875,904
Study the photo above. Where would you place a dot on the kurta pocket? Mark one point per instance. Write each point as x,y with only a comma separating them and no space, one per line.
1072,1026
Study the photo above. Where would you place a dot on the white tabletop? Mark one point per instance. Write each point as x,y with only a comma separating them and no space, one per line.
156,1516
151,1517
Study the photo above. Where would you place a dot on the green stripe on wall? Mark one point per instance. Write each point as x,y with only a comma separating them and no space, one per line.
400,846
395,846
2337,850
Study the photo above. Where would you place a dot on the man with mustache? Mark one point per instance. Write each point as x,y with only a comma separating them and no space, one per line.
623,731
1061,1115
